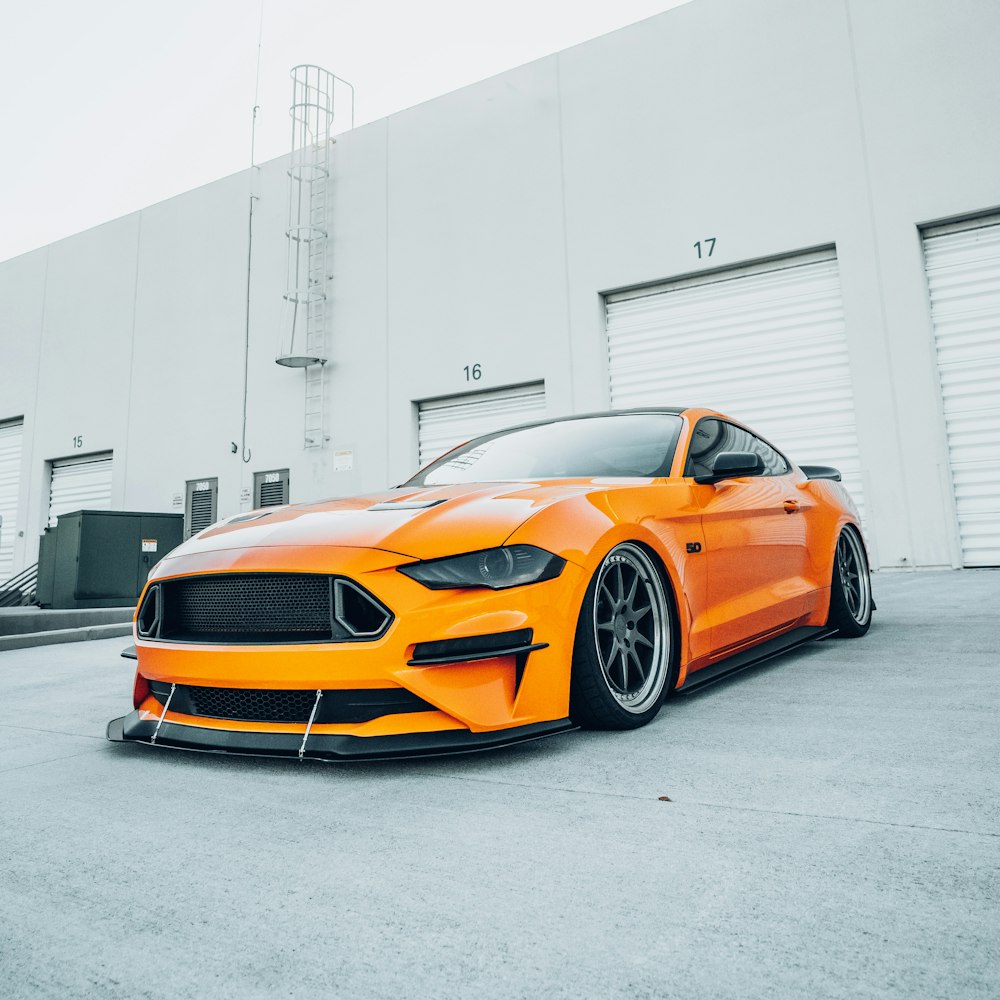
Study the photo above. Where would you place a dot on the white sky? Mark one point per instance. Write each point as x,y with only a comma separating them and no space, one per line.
108,106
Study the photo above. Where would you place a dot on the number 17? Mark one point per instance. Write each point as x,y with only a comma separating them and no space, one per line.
709,242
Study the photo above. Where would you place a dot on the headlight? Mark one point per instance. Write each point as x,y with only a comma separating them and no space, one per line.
506,566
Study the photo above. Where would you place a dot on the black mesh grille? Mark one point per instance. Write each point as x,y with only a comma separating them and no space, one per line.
263,602
248,704
268,608
267,705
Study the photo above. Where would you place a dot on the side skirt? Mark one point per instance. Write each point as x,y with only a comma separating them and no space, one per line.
751,657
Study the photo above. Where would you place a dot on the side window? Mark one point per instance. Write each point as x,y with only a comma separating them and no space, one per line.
713,436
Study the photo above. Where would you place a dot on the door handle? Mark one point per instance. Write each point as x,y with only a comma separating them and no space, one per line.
791,506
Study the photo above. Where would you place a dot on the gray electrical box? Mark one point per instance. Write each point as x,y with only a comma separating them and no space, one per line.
101,558
46,567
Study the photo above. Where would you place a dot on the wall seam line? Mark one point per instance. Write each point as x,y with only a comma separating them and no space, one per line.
34,413
131,359
869,196
388,405
565,237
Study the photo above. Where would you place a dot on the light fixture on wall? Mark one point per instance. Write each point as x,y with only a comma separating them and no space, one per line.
299,360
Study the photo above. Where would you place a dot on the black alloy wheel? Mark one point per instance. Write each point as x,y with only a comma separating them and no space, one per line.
851,603
626,647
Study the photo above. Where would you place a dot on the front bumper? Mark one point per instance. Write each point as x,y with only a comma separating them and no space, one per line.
135,728
471,701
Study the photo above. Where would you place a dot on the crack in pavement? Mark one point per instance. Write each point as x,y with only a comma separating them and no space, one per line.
51,760
578,791
724,805
53,732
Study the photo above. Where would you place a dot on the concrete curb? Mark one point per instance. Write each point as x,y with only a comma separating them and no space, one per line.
59,635
21,621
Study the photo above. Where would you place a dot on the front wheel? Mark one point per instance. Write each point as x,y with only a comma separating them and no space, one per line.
851,602
625,645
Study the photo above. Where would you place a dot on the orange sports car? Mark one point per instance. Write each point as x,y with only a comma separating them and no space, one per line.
560,574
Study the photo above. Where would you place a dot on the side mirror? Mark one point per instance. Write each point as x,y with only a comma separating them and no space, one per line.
733,465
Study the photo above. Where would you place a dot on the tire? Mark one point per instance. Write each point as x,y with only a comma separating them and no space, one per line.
626,645
851,601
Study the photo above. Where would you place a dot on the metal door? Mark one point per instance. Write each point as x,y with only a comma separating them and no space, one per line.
80,483
451,420
764,343
963,278
11,434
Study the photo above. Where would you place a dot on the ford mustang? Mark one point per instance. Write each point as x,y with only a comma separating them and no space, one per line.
560,574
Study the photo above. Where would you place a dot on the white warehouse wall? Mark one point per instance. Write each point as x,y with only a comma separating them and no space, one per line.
477,262
484,227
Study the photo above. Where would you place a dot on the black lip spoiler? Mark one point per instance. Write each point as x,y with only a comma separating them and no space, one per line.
321,746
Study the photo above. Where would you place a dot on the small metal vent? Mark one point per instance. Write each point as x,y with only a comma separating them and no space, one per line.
264,608
200,505
272,495
201,511
270,488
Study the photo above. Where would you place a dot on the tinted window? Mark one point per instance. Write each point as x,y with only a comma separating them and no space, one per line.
632,444
714,436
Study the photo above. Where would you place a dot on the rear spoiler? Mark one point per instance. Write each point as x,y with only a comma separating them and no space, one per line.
821,472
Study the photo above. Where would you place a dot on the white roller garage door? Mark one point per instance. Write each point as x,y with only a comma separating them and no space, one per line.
80,484
765,344
963,275
444,423
11,434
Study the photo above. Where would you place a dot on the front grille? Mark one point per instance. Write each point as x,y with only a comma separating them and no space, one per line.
284,604
261,608
269,705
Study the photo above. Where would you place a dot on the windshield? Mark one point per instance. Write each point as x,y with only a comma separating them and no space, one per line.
611,446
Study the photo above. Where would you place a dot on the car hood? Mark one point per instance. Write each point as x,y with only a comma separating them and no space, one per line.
420,523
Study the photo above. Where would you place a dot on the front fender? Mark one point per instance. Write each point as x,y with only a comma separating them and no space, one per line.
584,529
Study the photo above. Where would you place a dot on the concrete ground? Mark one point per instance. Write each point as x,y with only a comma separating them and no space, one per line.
832,832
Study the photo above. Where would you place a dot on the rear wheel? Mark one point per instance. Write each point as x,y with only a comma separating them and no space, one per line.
851,588
625,643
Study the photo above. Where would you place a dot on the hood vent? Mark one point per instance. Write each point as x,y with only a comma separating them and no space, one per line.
406,504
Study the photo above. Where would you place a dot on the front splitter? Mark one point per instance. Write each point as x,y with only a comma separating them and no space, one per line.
133,729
